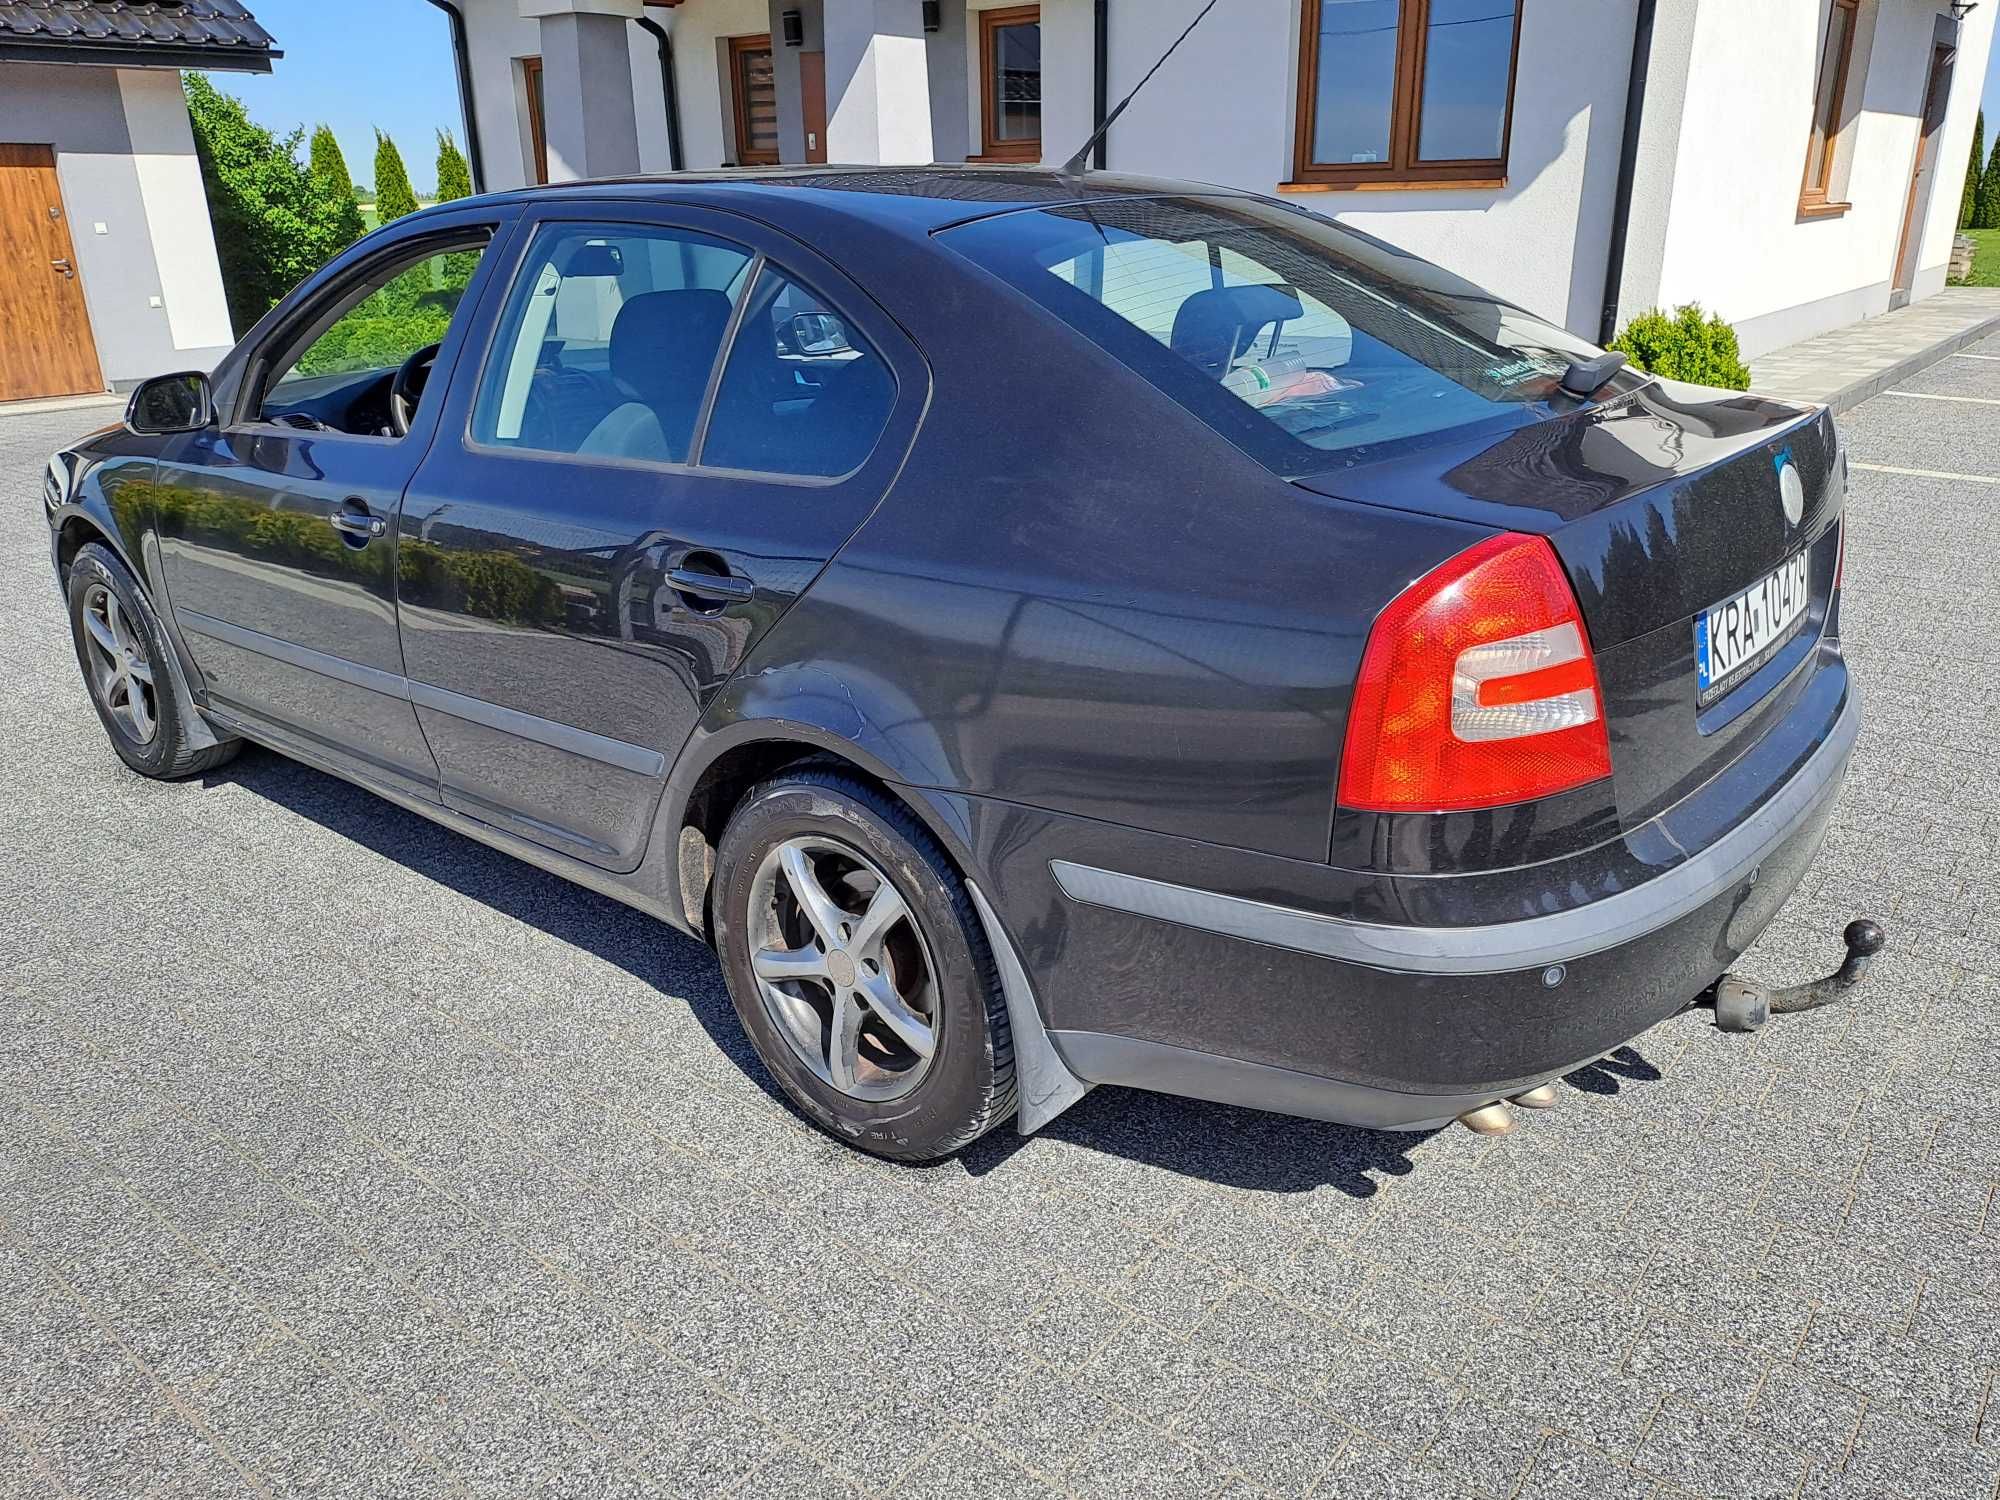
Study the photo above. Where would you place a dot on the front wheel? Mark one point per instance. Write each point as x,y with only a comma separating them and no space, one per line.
123,653
859,968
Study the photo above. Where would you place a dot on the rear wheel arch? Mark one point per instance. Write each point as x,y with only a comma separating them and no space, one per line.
734,760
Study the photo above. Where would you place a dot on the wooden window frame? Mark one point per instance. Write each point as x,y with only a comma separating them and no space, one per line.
538,130
1822,142
991,147
739,98
1403,169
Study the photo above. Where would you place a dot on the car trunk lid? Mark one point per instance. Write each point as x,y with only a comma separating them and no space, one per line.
1662,505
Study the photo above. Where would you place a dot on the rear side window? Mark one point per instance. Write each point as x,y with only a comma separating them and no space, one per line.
1308,345
608,343
803,393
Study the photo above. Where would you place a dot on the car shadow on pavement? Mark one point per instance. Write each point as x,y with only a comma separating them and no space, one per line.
1240,1148
1248,1149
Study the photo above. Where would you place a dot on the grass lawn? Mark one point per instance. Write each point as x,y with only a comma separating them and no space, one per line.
1986,266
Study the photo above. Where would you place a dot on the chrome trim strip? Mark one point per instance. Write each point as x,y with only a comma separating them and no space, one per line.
324,664
1502,947
634,758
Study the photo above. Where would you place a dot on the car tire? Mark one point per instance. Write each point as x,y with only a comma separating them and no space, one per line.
928,974
122,652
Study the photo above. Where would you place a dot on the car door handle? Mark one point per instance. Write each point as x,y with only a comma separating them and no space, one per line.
728,586
355,519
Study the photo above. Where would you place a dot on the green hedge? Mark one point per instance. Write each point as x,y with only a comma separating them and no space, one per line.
492,585
1687,344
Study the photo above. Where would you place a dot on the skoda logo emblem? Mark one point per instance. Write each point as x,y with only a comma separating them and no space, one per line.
1791,489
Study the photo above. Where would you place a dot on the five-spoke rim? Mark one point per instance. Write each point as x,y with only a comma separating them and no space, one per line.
842,969
120,673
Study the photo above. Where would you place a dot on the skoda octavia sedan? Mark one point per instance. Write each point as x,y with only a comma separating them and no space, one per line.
1041,630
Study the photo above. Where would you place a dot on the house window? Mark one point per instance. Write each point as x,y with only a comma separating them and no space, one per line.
1010,72
1404,93
1836,56
755,86
538,135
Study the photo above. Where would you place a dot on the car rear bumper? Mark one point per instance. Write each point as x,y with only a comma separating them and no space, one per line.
1255,1001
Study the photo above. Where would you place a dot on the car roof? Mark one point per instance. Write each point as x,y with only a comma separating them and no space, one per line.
918,199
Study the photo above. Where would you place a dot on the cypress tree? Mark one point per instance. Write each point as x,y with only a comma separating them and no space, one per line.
393,194
333,188
454,180
1972,174
1986,212
454,177
325,159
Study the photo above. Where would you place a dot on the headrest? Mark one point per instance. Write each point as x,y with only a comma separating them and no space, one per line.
1213,327
664,343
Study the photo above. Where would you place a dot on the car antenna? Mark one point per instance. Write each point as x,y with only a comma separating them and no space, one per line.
1077,164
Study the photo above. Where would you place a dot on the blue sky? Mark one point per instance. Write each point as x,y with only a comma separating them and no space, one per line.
357,64
1992,93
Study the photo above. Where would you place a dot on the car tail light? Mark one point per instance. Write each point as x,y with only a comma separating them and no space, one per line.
1477,688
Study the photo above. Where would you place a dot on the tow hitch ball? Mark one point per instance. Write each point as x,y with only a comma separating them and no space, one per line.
1743,1006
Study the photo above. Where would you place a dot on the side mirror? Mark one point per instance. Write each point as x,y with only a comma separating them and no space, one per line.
171,403
819,333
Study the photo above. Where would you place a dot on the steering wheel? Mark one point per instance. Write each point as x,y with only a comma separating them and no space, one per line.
407,389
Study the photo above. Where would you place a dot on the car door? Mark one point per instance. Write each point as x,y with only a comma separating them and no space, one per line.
277,525
641,478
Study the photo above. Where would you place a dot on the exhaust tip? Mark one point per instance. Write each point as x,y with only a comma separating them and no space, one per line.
1488,1119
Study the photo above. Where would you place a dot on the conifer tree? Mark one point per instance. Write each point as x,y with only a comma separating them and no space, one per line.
393,195
1972,174
454,177
333,190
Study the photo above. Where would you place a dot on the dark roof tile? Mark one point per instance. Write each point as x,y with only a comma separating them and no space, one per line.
221,31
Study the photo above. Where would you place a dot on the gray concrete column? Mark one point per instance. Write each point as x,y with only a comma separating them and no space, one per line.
587,109
877,82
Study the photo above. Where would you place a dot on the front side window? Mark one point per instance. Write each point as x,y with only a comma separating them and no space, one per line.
608,342
1306,344
1829,94
337,374
803,393
1395,91
1010,66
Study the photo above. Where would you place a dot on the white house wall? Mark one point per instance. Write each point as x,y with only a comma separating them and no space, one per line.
176,206
497,38
1221,110
138,217
1735,241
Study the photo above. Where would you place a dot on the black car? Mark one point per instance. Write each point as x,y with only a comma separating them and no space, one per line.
1042,630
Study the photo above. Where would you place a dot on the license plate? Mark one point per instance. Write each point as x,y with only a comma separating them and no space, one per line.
1735,636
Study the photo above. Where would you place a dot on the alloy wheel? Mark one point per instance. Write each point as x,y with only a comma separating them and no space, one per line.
120,673
842,969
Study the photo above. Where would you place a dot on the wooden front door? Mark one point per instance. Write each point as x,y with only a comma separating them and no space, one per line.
45,343
1937,95
812,102
755,87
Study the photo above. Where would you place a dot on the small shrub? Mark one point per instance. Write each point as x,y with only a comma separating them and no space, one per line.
1687,344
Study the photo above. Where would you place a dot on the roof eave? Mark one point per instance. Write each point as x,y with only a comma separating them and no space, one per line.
146,55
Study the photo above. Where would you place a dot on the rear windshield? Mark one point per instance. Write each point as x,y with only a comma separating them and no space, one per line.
1307,344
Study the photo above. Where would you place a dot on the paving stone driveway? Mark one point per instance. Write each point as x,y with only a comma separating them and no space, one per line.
339,1156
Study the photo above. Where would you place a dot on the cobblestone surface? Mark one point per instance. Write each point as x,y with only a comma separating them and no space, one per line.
339,1156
